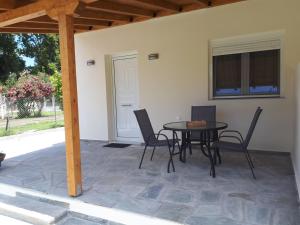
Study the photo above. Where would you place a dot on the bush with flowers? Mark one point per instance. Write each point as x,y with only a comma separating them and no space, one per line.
28,94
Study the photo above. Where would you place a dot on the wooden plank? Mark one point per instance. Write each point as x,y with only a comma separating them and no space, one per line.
34,10
46,26
27,31
203,3
91,22
67,55
32,25
77,21
7,4
24,13
120,8
101,15
162,4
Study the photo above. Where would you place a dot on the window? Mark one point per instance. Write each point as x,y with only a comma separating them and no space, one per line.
246,68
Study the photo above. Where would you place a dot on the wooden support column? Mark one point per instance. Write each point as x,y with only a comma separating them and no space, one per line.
67,54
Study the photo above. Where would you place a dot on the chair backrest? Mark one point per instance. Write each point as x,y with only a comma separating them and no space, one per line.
207,113
144,124
252,126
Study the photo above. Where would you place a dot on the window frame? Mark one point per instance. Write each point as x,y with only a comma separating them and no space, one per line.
247,44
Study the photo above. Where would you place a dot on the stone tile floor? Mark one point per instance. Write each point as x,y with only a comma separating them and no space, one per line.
111,178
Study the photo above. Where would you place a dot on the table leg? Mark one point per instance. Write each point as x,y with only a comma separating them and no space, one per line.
212,164
183,146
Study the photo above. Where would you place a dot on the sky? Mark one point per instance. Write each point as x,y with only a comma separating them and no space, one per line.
28,61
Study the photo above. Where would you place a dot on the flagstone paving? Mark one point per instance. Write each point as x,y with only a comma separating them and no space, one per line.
189,196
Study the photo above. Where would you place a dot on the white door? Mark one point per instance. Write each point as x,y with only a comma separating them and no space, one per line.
126,97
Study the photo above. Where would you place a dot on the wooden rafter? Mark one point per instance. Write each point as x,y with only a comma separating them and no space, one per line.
101,15
32,10
95,14
27,31
7,4
44,26
120,8
203,2
77,21
162,4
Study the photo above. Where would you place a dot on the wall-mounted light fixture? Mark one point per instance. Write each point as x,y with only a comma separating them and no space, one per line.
90,62
153,56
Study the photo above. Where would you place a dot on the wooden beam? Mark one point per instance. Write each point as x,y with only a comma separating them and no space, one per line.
67,55
24,13
91,22
34,10
7,4
162,4
120,8
77,21
203,3
28,31
101,15
43,19
32,25
46,26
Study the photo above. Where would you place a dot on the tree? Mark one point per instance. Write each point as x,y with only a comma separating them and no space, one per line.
10,60
56,82
28,94
44,48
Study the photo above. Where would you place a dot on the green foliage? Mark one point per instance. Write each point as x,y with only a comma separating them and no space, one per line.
56,82
44,48
10,61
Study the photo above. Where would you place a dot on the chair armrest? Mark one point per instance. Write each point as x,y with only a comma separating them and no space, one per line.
156,136
176,136
232,131
232,137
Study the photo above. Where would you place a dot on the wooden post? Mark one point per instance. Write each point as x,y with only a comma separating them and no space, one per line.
67,54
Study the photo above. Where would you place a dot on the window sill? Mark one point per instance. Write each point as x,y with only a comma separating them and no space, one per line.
246,97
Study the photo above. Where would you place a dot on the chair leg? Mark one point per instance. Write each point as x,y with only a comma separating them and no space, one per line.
215,156
153,152
219,155
170,161
248,160
143,156
190,148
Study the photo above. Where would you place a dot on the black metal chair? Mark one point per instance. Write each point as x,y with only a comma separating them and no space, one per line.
207,113
151,139
242,144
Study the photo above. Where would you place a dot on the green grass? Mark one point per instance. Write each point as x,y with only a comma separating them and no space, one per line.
31,127
44,114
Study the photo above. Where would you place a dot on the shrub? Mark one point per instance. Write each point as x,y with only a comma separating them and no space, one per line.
28,94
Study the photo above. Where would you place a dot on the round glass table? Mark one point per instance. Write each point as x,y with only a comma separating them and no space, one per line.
207,130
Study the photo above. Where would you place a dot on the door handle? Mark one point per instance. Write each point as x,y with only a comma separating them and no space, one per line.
126,105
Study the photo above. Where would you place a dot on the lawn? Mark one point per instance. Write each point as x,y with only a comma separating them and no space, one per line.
42,125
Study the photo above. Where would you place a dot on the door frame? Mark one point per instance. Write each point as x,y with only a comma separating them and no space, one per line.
120,56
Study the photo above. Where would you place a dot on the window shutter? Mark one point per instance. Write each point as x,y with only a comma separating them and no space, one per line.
265,68
227,71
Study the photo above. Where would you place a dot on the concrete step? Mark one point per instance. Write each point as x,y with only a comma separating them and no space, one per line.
31,210
81,219
10,221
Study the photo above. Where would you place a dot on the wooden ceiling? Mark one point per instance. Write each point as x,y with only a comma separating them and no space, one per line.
99,14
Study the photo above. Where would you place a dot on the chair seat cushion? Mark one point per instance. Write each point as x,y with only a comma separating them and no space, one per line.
228,145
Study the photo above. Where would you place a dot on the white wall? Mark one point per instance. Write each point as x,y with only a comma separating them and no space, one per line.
296,153
179,79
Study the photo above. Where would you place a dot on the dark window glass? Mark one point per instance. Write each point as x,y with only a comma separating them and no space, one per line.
254,73
264,72
227,75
